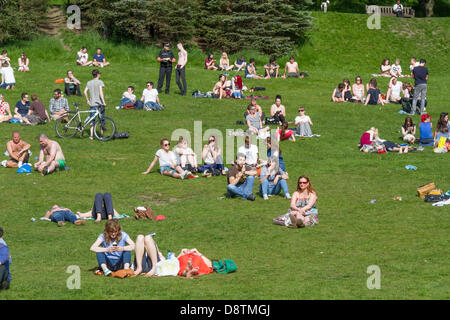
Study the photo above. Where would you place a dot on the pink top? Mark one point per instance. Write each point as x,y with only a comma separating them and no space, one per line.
3,107
365,139
287,134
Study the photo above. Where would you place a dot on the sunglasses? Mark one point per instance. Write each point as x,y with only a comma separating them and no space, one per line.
166,144
303,182
212,140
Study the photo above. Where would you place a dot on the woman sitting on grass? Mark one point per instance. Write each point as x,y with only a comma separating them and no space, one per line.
347,92
24,63
187,157
338,93
209,62
285,133
212,156
5,111
303,123
385,69
426,131
303,211
254,122
373,94
368,138
147,255
224,62
409,131
278,111
167,162
358,90
113,248
442,128
219,88
276,152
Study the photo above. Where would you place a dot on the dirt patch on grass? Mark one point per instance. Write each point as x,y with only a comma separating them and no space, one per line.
158,199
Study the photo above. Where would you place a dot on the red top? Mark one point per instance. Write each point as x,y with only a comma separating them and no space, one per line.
197,261
287,134
365,139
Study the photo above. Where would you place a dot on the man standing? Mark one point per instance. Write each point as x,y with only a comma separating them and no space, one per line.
166,58
18,151
180,69
241,179
52,151
97,99
58,106
420,75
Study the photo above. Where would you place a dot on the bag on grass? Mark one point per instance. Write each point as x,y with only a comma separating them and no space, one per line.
144,213
128,106
121,135
224,266
124,273
425,189
169,267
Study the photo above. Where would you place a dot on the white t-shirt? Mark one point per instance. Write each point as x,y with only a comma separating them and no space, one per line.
82,57
396,89
8,73
128,95
395,69
150,95
251,154
411,67
302,119
166,159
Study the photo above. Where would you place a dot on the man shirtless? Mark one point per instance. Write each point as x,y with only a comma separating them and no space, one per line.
18,151
292,69
54,156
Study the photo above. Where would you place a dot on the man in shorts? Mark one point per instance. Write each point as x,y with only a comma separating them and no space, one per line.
272,68
82,59
292,70
18,152
99,59
54,157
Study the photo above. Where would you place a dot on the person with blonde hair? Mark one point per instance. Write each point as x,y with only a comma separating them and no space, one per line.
368,138
113,248
186,156
224,62
303,211
24,63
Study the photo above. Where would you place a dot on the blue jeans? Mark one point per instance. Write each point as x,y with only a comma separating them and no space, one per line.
103,204
118,265
124,101
63,216
93,108
267,187
243,189
153,105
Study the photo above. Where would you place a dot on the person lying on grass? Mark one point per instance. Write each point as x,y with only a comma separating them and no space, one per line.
54,157
303,210
113,248
60,215
167,162
102,209
193,263
395,147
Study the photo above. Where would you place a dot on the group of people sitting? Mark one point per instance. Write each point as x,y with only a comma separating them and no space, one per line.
370,141
51,157
149,100
114,246
99,59
395,70
271,69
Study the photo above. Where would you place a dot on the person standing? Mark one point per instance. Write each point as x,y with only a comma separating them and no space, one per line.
420,75
180,69
165,58
97,99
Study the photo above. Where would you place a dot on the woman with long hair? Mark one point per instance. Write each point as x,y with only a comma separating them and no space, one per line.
224,62
442,127
303,211
24,63
219,87
276,151
278,111
285,133
187,157
409,131
358,90
209,62
113,248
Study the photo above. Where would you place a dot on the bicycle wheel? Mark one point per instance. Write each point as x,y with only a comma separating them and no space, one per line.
104,129
67,128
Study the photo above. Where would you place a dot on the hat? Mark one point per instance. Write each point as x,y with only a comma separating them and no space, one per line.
160,217
167,44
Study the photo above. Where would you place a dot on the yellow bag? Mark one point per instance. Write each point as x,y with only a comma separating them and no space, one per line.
436,192
442,142
425,189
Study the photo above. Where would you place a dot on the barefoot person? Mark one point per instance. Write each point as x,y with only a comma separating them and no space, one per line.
292,70
193,263
102,209
18,151
147,255
54,157
60,215
303,211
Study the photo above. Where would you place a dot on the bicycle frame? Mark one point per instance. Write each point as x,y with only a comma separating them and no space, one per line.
86,121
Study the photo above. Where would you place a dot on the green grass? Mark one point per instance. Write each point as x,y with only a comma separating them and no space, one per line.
407,239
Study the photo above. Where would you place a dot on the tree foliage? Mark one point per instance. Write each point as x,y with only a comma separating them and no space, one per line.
20,19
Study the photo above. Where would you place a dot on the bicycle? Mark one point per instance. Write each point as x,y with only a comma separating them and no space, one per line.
68,126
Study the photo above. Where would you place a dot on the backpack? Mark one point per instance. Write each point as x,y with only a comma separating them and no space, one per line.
144,213
128,106
224,266
121,135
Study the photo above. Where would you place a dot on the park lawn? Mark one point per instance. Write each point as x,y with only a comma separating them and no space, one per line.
408,240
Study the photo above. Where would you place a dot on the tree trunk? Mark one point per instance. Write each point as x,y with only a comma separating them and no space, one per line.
429,5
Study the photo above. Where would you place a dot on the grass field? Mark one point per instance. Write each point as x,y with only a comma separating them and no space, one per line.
407,239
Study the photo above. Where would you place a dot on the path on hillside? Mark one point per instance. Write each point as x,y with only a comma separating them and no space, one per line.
54,21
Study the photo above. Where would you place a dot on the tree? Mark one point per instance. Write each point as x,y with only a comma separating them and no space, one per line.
271,26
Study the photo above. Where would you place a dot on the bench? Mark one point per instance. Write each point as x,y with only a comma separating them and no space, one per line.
408,12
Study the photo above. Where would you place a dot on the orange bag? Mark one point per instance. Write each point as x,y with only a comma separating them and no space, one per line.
59,81
123,273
